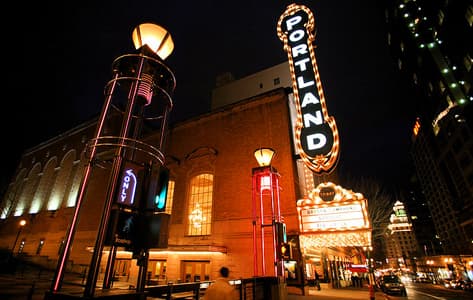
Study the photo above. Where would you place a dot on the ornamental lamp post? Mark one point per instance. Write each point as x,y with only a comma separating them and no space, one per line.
138,95
370,272
21,224
265,195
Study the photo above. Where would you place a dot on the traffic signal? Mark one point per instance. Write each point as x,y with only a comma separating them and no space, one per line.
122,228
161,190
152,231
284,251
130,184
281,232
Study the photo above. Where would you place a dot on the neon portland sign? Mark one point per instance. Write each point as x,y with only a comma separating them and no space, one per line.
317,137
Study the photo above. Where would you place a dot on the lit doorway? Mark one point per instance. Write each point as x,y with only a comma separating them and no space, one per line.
122,269
195,271
157,271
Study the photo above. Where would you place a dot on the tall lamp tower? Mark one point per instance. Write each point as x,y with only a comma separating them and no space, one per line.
266,212
138,94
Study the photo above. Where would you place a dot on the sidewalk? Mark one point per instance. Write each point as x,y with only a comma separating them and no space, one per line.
15,288
329,293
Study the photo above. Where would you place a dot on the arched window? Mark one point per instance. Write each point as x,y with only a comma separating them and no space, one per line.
62,182
170,196
44,187
200,205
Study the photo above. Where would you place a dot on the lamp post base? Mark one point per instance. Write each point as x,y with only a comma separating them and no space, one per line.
371,290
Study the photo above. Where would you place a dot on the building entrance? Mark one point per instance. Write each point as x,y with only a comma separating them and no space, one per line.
195,271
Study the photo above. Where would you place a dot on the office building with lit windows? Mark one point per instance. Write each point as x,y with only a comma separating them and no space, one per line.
433,49
401,242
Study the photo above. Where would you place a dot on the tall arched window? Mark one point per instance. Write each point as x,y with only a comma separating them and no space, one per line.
62,182
28,191
170,196
45,186
200,205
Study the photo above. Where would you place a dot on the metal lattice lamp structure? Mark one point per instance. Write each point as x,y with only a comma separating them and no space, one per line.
138,95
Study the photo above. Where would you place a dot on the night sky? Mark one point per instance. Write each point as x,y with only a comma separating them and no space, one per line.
59,62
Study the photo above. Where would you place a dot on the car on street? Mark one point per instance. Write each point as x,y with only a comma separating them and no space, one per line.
423,280
392,284
457,284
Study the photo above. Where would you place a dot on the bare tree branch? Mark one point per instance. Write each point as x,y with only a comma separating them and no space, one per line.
380,204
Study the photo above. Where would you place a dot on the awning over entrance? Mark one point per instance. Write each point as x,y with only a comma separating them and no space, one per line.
359,238
358,268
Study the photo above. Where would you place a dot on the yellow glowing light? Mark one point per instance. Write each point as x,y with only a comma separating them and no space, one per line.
336,239
416,127
264,156
54,202
196,218
156,37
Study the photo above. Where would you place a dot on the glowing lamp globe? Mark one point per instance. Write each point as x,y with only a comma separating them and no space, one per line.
155,37
264,156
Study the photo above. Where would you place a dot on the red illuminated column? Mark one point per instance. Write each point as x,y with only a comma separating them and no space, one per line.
266,210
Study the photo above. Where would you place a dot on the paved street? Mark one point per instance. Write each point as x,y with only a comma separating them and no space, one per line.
327,293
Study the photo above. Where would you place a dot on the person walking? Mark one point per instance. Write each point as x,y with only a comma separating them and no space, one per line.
317,280
221,289
354,279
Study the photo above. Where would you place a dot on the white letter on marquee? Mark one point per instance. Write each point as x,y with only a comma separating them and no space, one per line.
302,84
293,21
297,35
302,63
309,98
299,49
312,145
317,119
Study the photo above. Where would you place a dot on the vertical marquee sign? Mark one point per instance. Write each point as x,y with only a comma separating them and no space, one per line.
316,132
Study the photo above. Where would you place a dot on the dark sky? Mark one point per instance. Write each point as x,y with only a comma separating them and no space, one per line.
61,59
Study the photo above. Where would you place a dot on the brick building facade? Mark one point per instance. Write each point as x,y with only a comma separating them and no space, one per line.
216,150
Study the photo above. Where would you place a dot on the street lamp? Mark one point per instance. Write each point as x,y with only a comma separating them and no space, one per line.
370,272
266,197
140,90
21,224
264,156
430,264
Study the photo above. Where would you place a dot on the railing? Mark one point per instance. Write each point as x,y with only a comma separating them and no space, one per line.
254,288
258,288
170,291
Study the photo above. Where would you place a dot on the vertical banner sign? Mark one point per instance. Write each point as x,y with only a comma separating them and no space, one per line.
316,132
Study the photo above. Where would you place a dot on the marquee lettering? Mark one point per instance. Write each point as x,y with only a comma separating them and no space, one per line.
316,132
